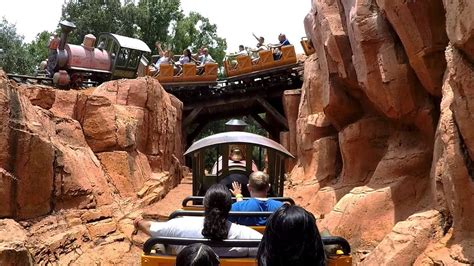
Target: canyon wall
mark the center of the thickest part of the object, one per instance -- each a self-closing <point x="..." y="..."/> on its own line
<point x="384" y="134"/>
<point x="77" y="166"/>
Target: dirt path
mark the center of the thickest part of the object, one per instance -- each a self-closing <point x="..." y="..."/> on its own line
<point x="172" y="200"/>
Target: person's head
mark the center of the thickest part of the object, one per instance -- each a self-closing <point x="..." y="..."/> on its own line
<point x="205" y="51"/>
<point x="281" y="37"/>
<point x="217" y="204"/>
<point x="261" y="40"/>
<point x="167" y="53"/>
<point x="241" y="47"/>
<point x="197" y="255"/>
<point x="291" y="237"/>
<point x="259" y="182"/>
<point x="187" y="53"/>
<point x="236" y="155"/>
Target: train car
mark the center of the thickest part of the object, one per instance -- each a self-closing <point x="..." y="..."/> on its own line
<point x="256" y="152"/>
<point x="236" y="67"/>
<point x="338" y="250"/>
<point x="115" y="57"/>
<point x="270" y="156"/>
<point x="241" y="65"/>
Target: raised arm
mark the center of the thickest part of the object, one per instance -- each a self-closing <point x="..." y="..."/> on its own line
<point x="255" y="36"/>
<point x="160" y="50"/>
<point x="237" y="190"/>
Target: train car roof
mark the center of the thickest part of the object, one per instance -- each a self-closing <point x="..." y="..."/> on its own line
<point x="131" y="43"/>
<point x="237" y="137"/>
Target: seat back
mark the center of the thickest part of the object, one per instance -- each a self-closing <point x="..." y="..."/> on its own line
<point x="229" y="71"/>
<point x="244" y="64"/>
<point x="189" y="72"/>
<point x="199" y="199"/>
<point x="307" y="46"/>
<point x="266" y="59"/>
<point x="166" y="73"/>
<point x="167" y="260"/>
<point x="148" y="258"/>
<point x="210" y="69"/>
<point x="288" y="55"/>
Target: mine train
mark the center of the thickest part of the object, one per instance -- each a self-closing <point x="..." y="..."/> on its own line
<point x="114" y="56"/>
<point x="267" y="155"/>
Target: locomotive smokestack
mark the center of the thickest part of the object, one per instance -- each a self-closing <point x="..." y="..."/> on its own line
<point x="66" y="27"/>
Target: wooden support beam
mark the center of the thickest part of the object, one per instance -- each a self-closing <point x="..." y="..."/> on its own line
<point x="279" y="118"/>
<point x="231" y="99"/>
<point x="196" y="132"/>
<point x="190" y="118"/>
<point x="271" y="130"/>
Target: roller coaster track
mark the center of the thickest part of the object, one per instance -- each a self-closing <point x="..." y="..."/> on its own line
<point x="248" y="85"/>
<point x="245" y="95"/>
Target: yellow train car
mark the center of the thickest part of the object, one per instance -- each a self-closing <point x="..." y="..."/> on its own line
<point x="151" y="257"/>
<point x="243" y="64"/>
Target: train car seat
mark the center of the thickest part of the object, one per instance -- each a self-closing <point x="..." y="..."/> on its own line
<point x="244" y="64"/>
<point x="307" y="46"/>
<point x="166" y="73"/>
<point x="340" y="257"/>
<point x="209" y="73"/>
<point x="189" y="72"/>
<point x="288" y="55"/>
<point x="266" y="59"/>
<point x="229" y="70"/>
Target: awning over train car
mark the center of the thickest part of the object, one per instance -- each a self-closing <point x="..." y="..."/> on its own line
<point x="127" y="42"/>
<point x="237" y="137"/>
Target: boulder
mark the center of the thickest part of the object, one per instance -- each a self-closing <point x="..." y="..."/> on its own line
<point x="12" y="244"/>
<point x="460" y="25"/>
<point x="136" y="113"/>
<point x="380" y="61"/>
<point x="362" y="144"/>
<point x="452" y="168"/>
<point x="27" y="157"/>
<point x="460" y="79"/>
<point x="420" y="25"/>
<point x="407" y="240"/>
<point x="127" y="171"/>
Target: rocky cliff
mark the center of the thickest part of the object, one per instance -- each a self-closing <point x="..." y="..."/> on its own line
<point x="384" y="134"/>
<point x="77" y="166"/>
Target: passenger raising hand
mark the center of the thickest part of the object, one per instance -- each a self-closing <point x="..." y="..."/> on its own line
<point x="236" y="190"/>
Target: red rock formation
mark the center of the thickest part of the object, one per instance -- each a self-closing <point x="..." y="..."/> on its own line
<point x="94" y="158"/>
<point x="12" y="244"/>
<point x="404" y="190"/>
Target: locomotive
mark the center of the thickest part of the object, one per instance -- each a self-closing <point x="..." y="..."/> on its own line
<point x="115" y="57"/>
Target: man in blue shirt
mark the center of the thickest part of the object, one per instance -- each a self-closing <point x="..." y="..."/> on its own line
<point x="258" y="186"/>
<point x="283" y="40"/>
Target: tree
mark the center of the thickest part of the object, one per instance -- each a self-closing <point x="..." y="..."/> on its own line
<point x="93" y="16"/>
<point x="155" y="18"/>
<point x="15" y="57"/>
<point x="38" y="48"/>
<point x="196" y="31"/>
<point x="148" y="20"/>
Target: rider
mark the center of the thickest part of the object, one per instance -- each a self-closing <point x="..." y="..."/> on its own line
<point x="258" y="186"/>
<point x="53" y="53"/>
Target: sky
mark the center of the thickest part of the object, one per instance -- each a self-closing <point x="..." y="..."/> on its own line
<point x="236" y="20"/>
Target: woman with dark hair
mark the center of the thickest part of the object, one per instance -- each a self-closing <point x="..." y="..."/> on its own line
<point x="197" y="255"/>
<point x="214" y="224"/>
<point x="186" y="57"/>
<point x="291" y="238"/>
